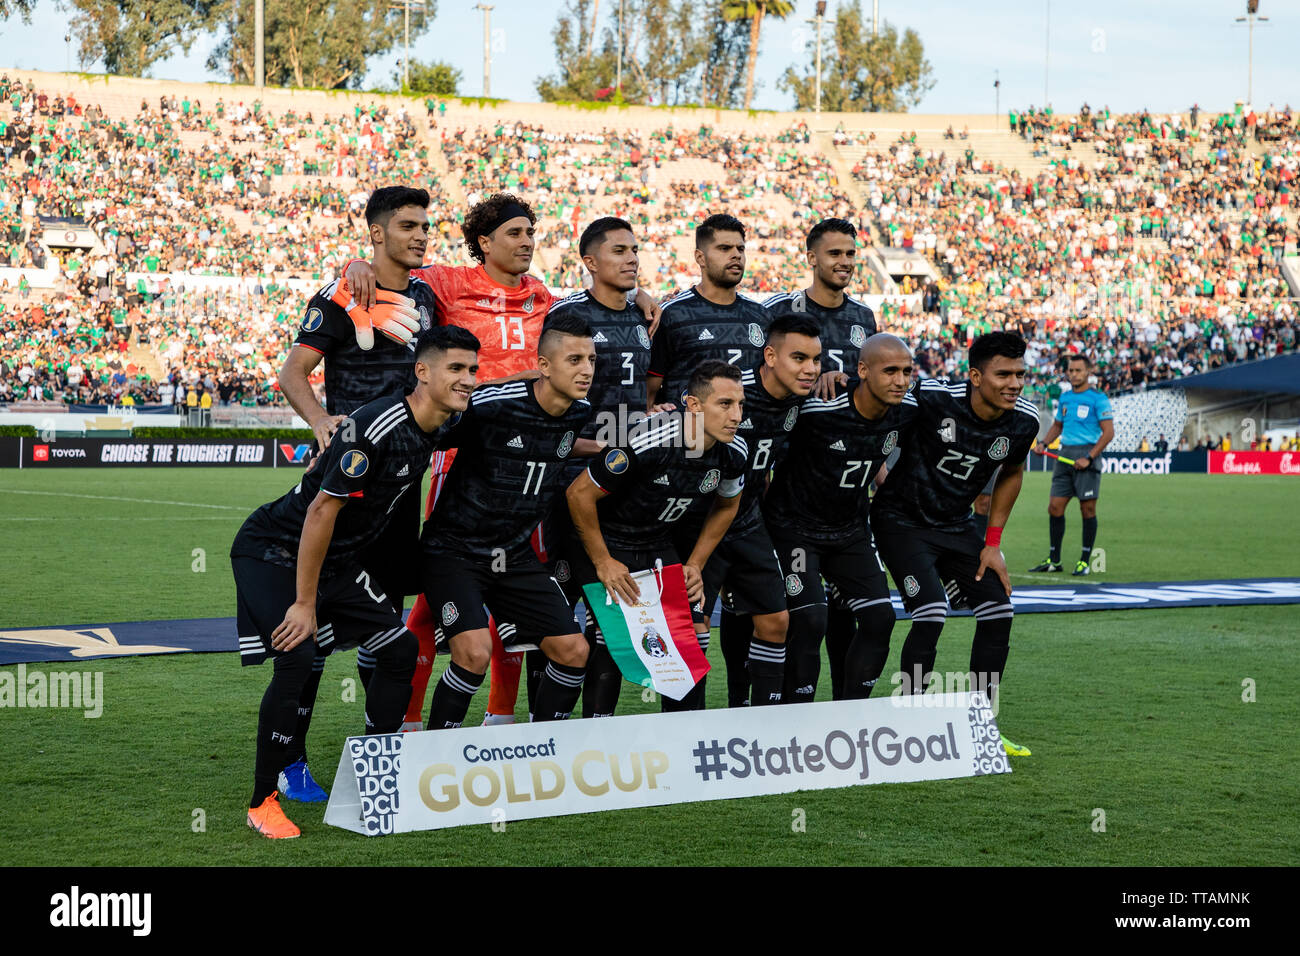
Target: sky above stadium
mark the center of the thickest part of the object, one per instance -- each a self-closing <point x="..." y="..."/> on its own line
<point x="1128" y="54"/>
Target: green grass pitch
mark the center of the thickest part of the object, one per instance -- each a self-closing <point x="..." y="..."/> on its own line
<point x="1139" y="714"/>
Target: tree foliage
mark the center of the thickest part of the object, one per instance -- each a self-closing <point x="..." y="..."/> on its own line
<point x="860" y="72"/>
<point x="314" y="43"/>
<point x="752" y="12"/>
<point x="23" y="8"/>
<point x="437" y="78"/>
<point x="671" y="56"/>
<point x="129" y="36"/>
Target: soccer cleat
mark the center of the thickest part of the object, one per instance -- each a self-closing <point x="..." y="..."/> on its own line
<point x="1013" y="749"/>
<point x="1048" y="565"/>
<point x="1081" y="568"/>
<point x="296" y="783"/>
<point x="412" y="727"/>
<point x="270" y="821"/>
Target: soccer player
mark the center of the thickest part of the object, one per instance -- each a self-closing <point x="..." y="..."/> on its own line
<point x="817" y="512"/>
<point x="296" y="567"/>
<point x="710" y="320"/>
<point x="505" y="307"/>
<point x="846" y="323"/>
<point x="1085" y="425"/>
<point x="922" y="518"/>
<point x="514" y="441"/>
<point x="626" y="505"/>
<point x="744" y="568"/>
<point x="398" y="221"/>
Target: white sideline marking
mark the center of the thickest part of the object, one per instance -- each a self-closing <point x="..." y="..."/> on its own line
<point x="143" y="501"/>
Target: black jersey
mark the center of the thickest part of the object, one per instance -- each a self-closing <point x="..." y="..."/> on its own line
<point x="377" y="454"/>
<point x="507" y="472"/>
<point x="822" y="489"/>
<point x="766" y="429"/>
<point x="622" y="339"/>
<point x="844" y="329"/>
<point x="950" y="457"/>
<point x="354" y="376"/>
<point x="693" y="330"/>
<point x="655" y="482"/>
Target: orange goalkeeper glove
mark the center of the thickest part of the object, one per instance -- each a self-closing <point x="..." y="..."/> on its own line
<point x="392" y="315"/>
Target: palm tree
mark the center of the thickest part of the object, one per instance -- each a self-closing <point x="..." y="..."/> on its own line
<point x="754" y="11"/>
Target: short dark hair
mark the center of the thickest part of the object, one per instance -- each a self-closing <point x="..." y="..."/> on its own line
<point x="1081" y="357"/>
<point x="788" y="322"/>
<point x="557" y="326"/>
<point x="990" y="344"/>
<point x="479" y="219"/>
<point x="385" y="201"/>
<point x="594" y="234"/>
<point x="701" y="381"/>
<point x="441" y="338"/>
<point x="830" y="225"/>
<point x="718" y="222"/>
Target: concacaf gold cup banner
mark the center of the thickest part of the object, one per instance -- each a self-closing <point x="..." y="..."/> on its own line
<point x="397" y="783"/>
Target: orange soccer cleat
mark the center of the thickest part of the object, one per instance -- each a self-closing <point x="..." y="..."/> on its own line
<point x="270" y="821"/>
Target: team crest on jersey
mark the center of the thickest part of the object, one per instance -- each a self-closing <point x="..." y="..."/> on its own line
<point x="998" y="450"/>
<point x="857" y="335"/>
<point x="562" y="571"/>
<point x="643" y="336"/>
<point x="449" y="614"/>
<point x="910" y="586"/>
<point x="312" y="320"/>
<point x="354" y="463"/>
<point x="756" y="336"/>
<point x="793" y="584"/>
<point x="528" y="304"/>
<point x="566" y="445"/>
<point x="890" y="441"/>
<point x="653" y="644"/>
<point x="710" y="481"/>
<point x="425" y="322"/>
<point x="616" y="461"/>
<point x="791" y="417"/>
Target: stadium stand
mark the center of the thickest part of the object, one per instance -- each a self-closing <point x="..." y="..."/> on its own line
<point x="162" y="237"/>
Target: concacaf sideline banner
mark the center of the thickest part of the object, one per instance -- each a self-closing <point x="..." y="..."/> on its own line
<point x="1254" y="463"/>
<point x="397" y="783"/>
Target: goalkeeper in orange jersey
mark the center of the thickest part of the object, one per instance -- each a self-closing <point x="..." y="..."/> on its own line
<point x="368" y="353"/>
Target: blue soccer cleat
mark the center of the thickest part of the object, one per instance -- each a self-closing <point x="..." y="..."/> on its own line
<point x="296" y="783"/>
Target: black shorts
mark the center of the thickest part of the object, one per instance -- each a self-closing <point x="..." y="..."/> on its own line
<point x="393" y="559"/>
<point x="746" y="573"/>
<point x="850" y="565"/>
<point x="350" y="609"/>
<point x="921" y="559"/>
<point x="1071" y="482"/>
<point x="581" y="571"/>
<point x="523" y="593"/>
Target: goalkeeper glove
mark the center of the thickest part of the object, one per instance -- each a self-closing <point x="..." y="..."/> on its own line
<point x="392" y="315"/>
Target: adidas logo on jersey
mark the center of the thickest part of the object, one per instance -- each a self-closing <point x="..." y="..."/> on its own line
<point x="599" y="337"/>
<point x="484" y="304"/>
<point x="661" y="480"/>
<point x="516" y="442"/>
<point x="706" y="335"/>
<point x="838" y="446"/>
<point x="746" y="424"/>
<point x="404" y="471"/>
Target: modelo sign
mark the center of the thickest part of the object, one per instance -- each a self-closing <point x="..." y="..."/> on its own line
<point x="1254" y="463"/>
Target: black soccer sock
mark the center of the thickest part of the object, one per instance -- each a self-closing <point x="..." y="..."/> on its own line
<point x="1089" y="537"/>
<point x="365" y="667"/>
<point x="981" y="523"/>
<point x="869" y="650"/>
<point x="306" y="703"/>
<point x="734" y="633"/>
<point x="277" y="720"/>
<point x="604" y="680"/>
<point x="558" y="691"/>
<point x="389" y="690"/>
<point x="456" y="688"/>
<point x="841" y="627"/>
<point x="989" y="650"/>
<point x="1056" y="530"/>
<point x="803" y="656"/>
<point x="534" y="664"/>
<point x="766" y="671"/>
<point x="921" y="646"/>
